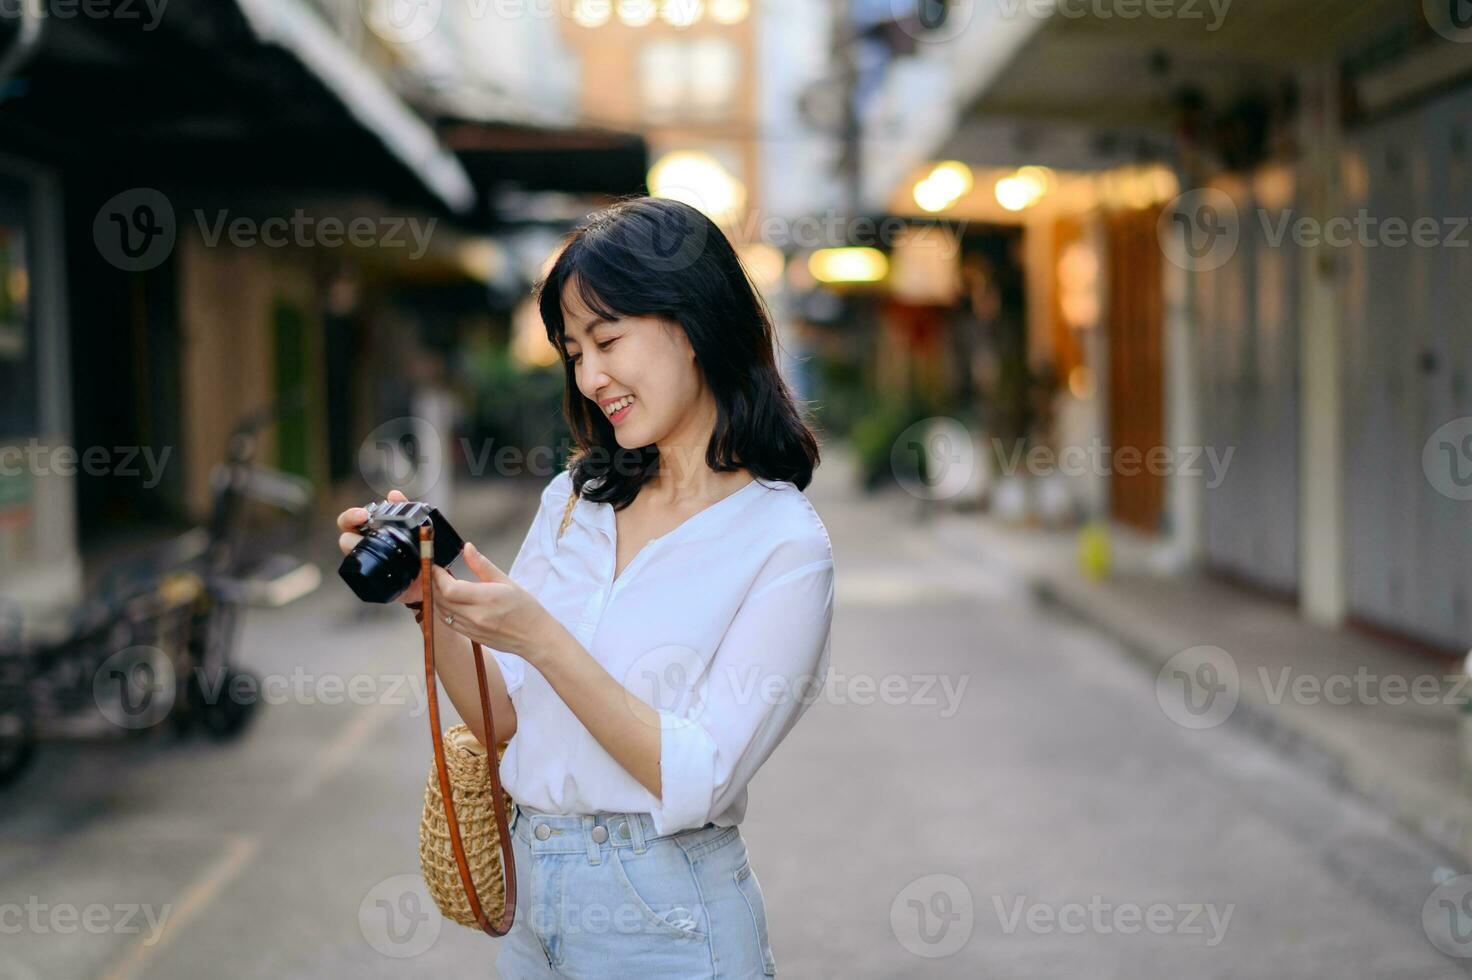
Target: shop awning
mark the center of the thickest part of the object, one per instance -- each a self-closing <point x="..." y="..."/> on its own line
<point x="288" y="24"/>
<point x="242" y="98"/>
<point x="1084" y="84"/>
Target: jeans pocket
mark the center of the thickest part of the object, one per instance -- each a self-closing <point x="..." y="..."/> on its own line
<point x="751" y="890"/>
<point x="665" y="896"/>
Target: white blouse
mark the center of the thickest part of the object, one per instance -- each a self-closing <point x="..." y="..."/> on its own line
<point x="721" y="625"/>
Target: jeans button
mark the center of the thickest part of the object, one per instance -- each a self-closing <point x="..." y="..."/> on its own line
<point x="543" y="831"/>
<point x="600" y="834"/>
<point x="623" y="830"/>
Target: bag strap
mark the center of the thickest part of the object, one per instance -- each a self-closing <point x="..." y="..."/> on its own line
<point x="502" y="925"/>
<point x="508" y="860"/>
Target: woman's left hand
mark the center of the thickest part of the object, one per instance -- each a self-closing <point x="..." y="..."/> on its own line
<point x="495" y="611"/>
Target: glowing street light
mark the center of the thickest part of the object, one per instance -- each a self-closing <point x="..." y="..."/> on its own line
<point x="1024" y="188"/>
<point x="699" y="180"/>
<point x="848" y="265"/>
<point x="946" y="183"/>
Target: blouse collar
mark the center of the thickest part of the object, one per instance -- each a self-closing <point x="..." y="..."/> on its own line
<point x="699" y="524"/>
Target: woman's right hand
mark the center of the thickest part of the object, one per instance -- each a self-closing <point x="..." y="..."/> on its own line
<point x="353" y="518"/>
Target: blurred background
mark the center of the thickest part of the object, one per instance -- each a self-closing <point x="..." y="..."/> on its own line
<point x="1136" y="335"/>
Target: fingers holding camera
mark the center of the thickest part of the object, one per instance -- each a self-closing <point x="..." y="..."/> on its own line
<point x="348" y="523"/>
<point x="353" y="518"/>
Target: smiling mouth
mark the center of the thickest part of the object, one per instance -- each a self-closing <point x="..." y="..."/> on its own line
<point x="617" y="410"/>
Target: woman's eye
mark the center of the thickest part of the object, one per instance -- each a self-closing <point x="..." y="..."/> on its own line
<point x="606" y="344"/>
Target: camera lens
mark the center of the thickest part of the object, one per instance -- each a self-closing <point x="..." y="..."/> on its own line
<point x="382" y="566"/>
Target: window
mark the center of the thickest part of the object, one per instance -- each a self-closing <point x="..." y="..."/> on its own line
<point x="688" y="80"/>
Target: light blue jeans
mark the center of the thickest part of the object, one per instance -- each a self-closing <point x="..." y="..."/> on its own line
<point x="600" y="895"/>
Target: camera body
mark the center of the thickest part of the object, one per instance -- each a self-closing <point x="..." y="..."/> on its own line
<point x="386" y="561"/>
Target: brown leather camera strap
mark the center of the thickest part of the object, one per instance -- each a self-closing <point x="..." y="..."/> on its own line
<point x="502" y="925"/>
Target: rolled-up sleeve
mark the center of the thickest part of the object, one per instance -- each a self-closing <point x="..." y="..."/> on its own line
<point x="767" y="671"/>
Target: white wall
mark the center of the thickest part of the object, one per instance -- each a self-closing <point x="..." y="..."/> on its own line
<point x="793" y="42"/>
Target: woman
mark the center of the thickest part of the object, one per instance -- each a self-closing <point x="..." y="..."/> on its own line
<point x="666" y="621"/>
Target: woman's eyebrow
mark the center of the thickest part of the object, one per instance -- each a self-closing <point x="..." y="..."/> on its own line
<point x="591" y="325"/>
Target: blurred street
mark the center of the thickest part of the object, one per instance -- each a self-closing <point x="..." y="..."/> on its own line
<point x="1135" y="333"/>
<point x="1009" y="772"/>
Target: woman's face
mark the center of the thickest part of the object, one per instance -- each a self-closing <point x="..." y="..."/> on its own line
<point x="645" y="365"/>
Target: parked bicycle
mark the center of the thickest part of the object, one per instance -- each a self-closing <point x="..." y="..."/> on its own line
<point x="156" y="640"/>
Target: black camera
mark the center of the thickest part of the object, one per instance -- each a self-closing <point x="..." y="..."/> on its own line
<point x="386" y="561"/>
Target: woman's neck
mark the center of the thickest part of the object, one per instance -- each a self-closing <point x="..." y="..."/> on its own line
<point x="683" y="473"/>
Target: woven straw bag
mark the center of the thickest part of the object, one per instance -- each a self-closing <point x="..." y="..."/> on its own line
<point x="475" y="820"/>
<point x="470" y="787"/>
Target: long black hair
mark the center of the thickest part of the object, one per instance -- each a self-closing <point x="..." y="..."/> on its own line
<point x="655" y="257"/>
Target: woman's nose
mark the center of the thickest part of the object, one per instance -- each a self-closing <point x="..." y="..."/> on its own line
<point x="594" y="379"/>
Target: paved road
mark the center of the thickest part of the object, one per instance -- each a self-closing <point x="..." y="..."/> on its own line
<point x="980" y="780"/>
